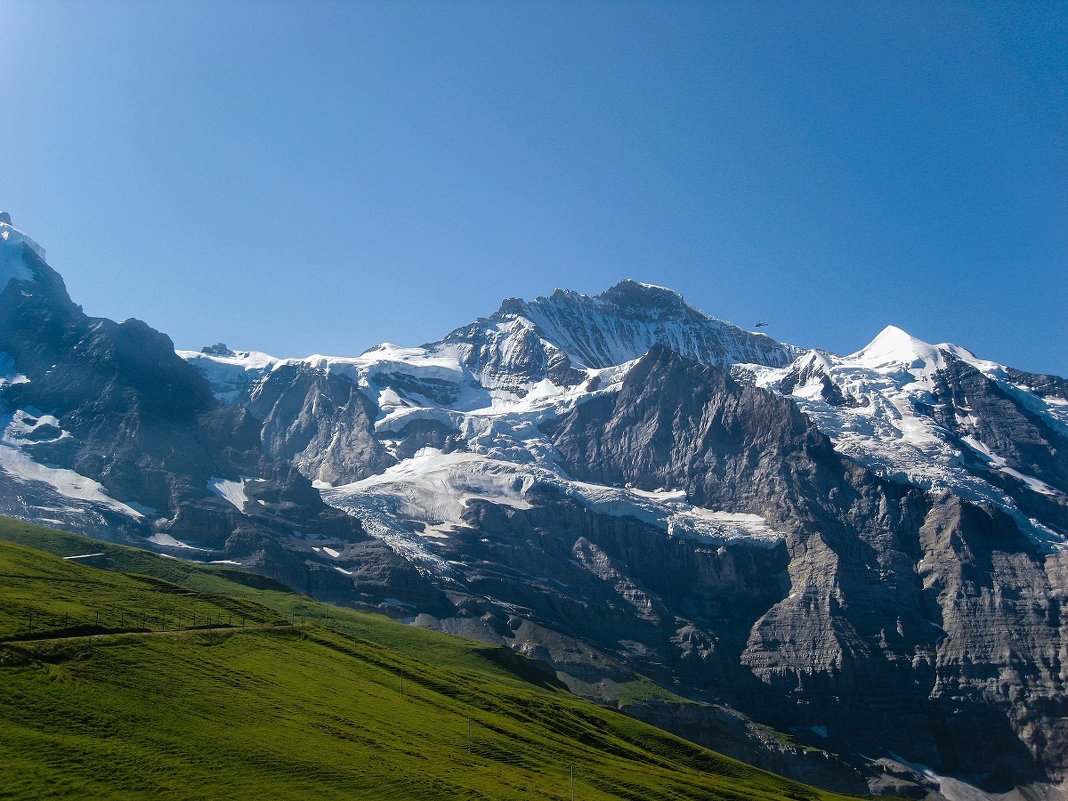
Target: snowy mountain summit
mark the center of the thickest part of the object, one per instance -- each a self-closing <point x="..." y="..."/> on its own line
<point x="939" y="417"/>
<point x="894" y="347"/>
<point x="625" y="321"/>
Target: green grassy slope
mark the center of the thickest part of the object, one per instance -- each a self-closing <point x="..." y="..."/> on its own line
<point x="136" y="703"/>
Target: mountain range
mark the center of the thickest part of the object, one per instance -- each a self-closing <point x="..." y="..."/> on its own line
<point x="867" y="551"/>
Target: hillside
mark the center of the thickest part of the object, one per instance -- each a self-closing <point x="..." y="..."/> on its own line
<point x="110" y="688"/>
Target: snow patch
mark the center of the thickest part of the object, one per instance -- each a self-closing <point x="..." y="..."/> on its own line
<point x="950" y="788"/>
<point x="20" y="466"/>
<point x="433" y="489"/>
<point x="670" y="511"/>
<point x="231" y="491"/>
<point x="167" y="541"/>
<point x="1000" y="464"/>
<point x="147" y="511"/>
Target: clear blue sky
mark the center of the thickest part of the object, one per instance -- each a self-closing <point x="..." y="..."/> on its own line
<point x="307" y="177"/>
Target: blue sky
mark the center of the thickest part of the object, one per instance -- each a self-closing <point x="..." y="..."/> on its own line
<point x="320" y="176"/>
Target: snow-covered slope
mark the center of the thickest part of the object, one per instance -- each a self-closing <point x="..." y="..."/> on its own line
<point x="433" y="490"/>
<point x="914" y="412"/>
<point x="12" y="263"/>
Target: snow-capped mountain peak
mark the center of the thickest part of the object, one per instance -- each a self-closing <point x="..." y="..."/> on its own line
<point x="938" y="416"/>
<point x="625" y="321"/>
<point x="895" y="347"/>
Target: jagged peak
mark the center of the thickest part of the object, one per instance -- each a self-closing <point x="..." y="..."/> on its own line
<point x="560" y="292"/>
<point x="631" y="293"/>
<point x="628" y="294"/>
<point x="219" y="349"/>
<point x="513" y="306"/>
<point x="624" y="321"/>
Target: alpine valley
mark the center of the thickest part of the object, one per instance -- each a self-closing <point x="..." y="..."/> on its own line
<point x="867" y="552"/>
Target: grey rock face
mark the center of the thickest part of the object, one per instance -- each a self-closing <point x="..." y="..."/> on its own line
<point x="895" y="627"/>
<point x="679" y="424"/>
<point x="1027" y="442"/>
<point x="1050" y="386"/>
<point x="320" y="423"/>
<point x="133" y="416"/>
<point x="999" y="605"/>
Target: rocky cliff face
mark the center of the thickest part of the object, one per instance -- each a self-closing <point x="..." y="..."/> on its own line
<point x="910" y="621"/>
<point x="319" y="422"/>
<point x="103" y="419"/>
<point x="867" y="551"/>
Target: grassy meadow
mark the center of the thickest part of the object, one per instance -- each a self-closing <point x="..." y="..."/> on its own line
<point x="133" y="676"/>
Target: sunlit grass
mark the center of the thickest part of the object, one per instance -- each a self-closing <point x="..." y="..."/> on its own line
<point x="345" y="705"/>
